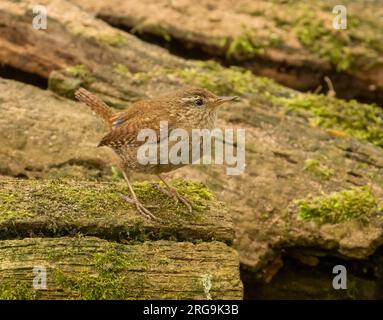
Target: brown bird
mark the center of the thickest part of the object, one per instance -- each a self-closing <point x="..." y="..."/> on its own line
<point x="187" y="109"/>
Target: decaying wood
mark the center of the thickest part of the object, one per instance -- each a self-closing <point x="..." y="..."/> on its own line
<point x="90" y="268"/>
<point x="57" y="208"/>
<point x="292" y="42"/>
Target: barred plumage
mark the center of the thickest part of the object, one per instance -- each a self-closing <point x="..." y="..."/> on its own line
<point x="187" y="109"/>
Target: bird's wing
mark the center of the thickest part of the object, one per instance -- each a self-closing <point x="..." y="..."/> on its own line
<point x="126" y="134"/>
<point x="127" y="125"/>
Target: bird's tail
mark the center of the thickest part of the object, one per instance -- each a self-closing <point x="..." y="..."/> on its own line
<point x="96" y="104"/>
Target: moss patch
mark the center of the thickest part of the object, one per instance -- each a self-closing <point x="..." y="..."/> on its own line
<point x="318" y="169"/>
<point x="244" y="47"/>
<point x="221" y="80"/>
<point x="73" y="200"/>
<point x="67" y="81"/>
<point x="362" y="121"/>
<point x="327" y="43"/>
<point x="12" y="290"/>
<point x="116" y="173"/>
<point x="359" y="45"/>
<point x="249" y="44"/>
<point x="197" y="193"/>
<point x="338" y="206"/>
<point x="121" y="69"/>
<point x="91" y="268"/>
<point x="137" y="77"/>
<point x="8" y="201"/>
<point x="65" y="207"/>
<point x="109" y="281"/>
<point x="79" y="71"/>
<point x="113" y="39"/>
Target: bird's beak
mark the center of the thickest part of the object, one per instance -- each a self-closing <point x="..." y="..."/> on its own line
<point x="221" y="100"/>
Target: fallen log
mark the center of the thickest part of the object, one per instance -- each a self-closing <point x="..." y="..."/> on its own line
<point x="61" y="208"/>
<point x="294" y="43"/>
<point x="90" y="268"/>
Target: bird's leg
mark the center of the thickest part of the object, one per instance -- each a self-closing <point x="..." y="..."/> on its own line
<point x="173" y="193"/>
<point x="134" y="200"/>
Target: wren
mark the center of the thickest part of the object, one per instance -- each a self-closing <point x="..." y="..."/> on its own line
<point x="187" y="109"/>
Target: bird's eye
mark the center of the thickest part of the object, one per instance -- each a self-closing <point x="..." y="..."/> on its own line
<point x="198" y="102"/>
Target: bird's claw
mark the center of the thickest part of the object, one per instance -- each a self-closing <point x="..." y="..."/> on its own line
<point x="140" y="207"/>
<point x="173" y="193"/>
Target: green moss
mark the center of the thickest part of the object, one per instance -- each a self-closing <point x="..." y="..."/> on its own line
<point x="248" y="44"/>
<point x="64" y="197"/>
<point x="65" y="207"/>
<point x="74" y="199"/>
<point x="195" y="192"/>
<point x="114" y="260"/>
<point x="315" y="167"/>
<point x="358" y="46"/>
<point x="162" y="32"/>
<point x="221" y="80"/>
<point x="110" y="279"/>
<point x="137" y="77"/>
<point x="338" y="206"/>
<point x="362" y="121"/>
<point x="63" y="85"/>
<point x="164" y="261"/>
<point x="154" y="29"/>
<point x="115" y="39"/>
<point x="12" y="290"/>
<point x="7" y="203"/>
<point x="243" y="47"/>
<point x="66" y="82"/>
<point x="121" y="69"/>
<point x="116" y="173"/>
<point x="327" y="43"/>
<point x="80" y="71"/>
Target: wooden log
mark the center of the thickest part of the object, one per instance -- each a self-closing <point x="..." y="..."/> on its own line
<point x="292" y="42"/>
<point x="41" y="133"/>
<point x="90" y="268"/>
<point x="57" y="208"/>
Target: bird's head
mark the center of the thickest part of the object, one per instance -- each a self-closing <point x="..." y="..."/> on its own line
<point x="201" y="99"/>
<point x="194" y="107"/>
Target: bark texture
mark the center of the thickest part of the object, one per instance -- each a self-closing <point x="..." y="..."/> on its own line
<point x="91" y="268"/>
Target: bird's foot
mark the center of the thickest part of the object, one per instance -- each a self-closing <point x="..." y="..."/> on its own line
<point x="140" y="207"/>
<point x="173" y="193"/>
